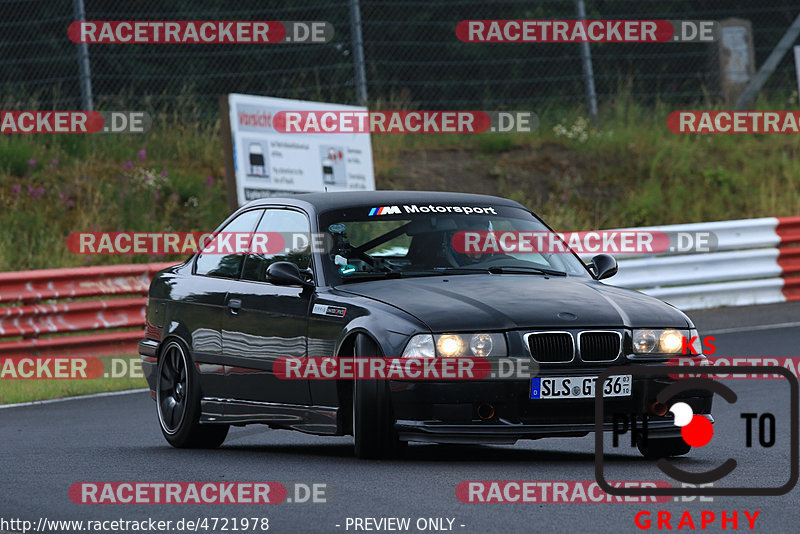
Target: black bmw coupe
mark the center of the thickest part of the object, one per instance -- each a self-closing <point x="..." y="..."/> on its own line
<point x="380" y="274"/>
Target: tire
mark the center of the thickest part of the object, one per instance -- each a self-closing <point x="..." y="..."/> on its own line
<point x="663" y="447"/>
<point x="374" y="436"/>
<point x="178" y="402"/>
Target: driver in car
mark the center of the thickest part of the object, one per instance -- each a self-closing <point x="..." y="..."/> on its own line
<point x="465" y="259"/>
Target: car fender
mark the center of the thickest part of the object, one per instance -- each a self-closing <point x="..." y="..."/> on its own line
<point x="373" y="322"/>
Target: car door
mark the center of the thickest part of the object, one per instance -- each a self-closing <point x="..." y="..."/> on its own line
<point x="203" y="304"/>
<point x="265" y="321"/>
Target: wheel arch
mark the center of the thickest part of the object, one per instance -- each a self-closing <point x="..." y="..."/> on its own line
<point x="344" y="388"/>
<point x="177" y="329"/>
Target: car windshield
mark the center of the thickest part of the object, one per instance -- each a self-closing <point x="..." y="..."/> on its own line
<point x="413" y="240"/>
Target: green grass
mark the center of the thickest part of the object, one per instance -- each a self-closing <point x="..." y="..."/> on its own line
<point x="170" y="179"/>
<point x="24" y="390"/>
<point x="627" y="169"/>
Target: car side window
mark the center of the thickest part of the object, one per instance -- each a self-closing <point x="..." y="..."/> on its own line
<point x="295" y="245"/>
<point x="227" y="265"/>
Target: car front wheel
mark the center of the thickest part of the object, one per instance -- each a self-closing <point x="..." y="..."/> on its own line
<point x="374" y="435"/>
<point x="178" y="402"/>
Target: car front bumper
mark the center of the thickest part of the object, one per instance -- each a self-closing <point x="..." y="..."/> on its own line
<point x="502" y="411"/>
<point x="504" y="432"/>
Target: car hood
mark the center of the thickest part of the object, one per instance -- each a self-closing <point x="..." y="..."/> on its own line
<point x="511" y="301"/>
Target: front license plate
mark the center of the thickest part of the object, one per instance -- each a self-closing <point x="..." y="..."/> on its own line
<point x="579" y="387"/>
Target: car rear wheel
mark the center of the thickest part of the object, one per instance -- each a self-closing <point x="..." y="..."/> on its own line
<point x="374" y="435"/>
<point x="663" y="447"/>
<point x="178" y="402"/>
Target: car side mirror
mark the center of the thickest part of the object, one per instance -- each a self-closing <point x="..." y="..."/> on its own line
<point x="604" y="266"/>
<point x="286" y="273"/>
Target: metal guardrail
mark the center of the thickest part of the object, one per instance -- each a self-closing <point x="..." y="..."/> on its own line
<point x="39" y="313"/>
<point x="754" y="262"/>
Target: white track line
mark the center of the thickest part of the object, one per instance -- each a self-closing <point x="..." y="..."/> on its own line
<point x="755" y="327"/>
<point x="77" y="397"/>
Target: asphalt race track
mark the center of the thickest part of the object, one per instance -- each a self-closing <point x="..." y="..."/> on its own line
<point x="46" y="448"/>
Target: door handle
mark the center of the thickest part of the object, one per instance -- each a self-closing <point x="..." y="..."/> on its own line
<point x="234" y="305"/>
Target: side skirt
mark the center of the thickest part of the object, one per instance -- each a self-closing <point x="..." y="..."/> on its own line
<point x="321" y="420"/>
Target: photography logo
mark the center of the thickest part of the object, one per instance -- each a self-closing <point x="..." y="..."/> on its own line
<point x="694" y="429"/>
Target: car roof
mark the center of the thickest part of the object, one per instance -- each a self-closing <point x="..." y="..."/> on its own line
<point x="346" y="199"/>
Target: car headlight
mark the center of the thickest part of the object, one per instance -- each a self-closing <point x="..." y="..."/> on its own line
<point x="456" y="345"/>
<point x="420" y="346"/>
<point x="666" y="341"/>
